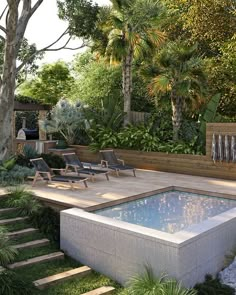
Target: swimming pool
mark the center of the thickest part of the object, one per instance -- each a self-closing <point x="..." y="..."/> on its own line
<point x="193" y="232"/>
<point x="169" y="211"/>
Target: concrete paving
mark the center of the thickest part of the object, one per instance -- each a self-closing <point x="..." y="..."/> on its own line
<point x="102" y="191"/>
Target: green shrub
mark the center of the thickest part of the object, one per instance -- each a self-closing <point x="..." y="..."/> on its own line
<point x="138" y="137"/>
<point x="213" y="287"/>
<point x="48" y="222"/>
<point x="7" y="251"/>
<point x="15" y="176"/>
<point x="28" y="153"/>
<point x="147" y="284"/>
<point x="24" y="200"/>
<point x="12" y="284"/>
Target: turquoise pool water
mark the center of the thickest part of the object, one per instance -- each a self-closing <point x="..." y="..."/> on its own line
<point x="170" y="211"/>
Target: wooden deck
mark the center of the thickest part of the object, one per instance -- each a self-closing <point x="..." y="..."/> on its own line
<point x="102" y="191"/>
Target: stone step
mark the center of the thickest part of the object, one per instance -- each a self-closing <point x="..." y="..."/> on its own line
<point x="32" y="244"/>
<point x="7" y="210"/>
<point x="2" y="269"/>
<point x="61" y="277"/>
<point x="12" y="220"/>
<point x="23" y="232"/>
<point x="43" y="258"/>
<point x="100" y="291"/>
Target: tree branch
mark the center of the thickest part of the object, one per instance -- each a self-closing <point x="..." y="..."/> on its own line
<point x="35" y="7"/>
<point x="3" y="12"/>
<point x="48" y="48"/>
<point x="3" y="29"/>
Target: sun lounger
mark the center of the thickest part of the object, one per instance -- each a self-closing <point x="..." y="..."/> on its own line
<point x="72" y="161"/>
<point x="44" y="172"/>
<point x="110" y="161"/>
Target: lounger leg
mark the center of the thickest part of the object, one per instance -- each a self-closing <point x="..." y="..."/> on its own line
<point x="35" y="178"/>
<point x="71" y="185"/>
<point x="107" y="176"/>
<point x="117" y="172"/>
<point x="66" y="170"/>
<point x="85" y="183"/>
<point x="92" y="177"/>
<point x="134" y="172"/>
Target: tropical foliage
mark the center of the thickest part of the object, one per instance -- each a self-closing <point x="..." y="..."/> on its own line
<point x="147" y="283"/>
<point x="67" y="119"/>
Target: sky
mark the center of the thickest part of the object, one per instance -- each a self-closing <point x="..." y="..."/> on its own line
<point x="45" y="27"/>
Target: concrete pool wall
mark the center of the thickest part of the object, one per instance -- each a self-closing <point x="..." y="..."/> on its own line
<point x="120" y="250"/>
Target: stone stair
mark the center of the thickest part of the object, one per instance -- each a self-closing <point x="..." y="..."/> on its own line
<point x="12" y="220"/>
<point x="32" y="244"/>
<point x="35" y="260"/>
<point x="23" y="232"/>
<point x="7" y="210"/>
<point x="100" y="291"/>
<point x="61" y="277"/>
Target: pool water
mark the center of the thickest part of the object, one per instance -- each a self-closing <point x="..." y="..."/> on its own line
<point x="169" y="211"/>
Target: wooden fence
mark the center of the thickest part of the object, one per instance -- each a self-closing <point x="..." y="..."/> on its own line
<point x="177" y="163"/>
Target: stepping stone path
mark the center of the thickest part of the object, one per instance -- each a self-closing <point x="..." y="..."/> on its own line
<point x="51" y="280"/>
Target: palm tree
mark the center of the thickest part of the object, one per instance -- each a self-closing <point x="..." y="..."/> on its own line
<point x="132" y="30"/>
<point x="180" y="75"/>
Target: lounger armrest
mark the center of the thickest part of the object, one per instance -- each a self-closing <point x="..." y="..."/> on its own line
<point x="122" y="161"/>
<point x="104" y="163"/>
<point x="89" y="165"/>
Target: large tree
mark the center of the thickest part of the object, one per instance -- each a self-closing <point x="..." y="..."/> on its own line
<point x="52" y="82"/>
<point x="180" y="76"/>
<point x="17" y="14"/>
<point x="133" y="30"/>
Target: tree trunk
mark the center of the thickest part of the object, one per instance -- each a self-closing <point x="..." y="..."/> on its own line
<point x="127" y="84"/>
<point x="177" y="107"/>
<point x="7" y="83"/>
<point x="15" y="30"/>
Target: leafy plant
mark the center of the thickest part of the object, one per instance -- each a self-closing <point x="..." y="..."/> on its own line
<point x="12" y="284"/>
<point x="138" y="137"/>
<point x="8" y="164"/>
<point x="213" y="287"/>
<point x="7" y="251"/>
<point x="24" y="200"/>
<point x="67" y="119"/>
<point x="147" y="284"/>
<point x="28" y="153"/>
<point x="208" y="115"/>
<point x="103" y="138"/>
<point x="16" y="175"/>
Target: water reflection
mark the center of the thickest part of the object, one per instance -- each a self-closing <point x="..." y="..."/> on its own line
<point x="169" y="211"/>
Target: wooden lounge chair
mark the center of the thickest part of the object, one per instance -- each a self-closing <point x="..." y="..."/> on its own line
<point x="44" y="172"/>
<point x="110" y="160"/>
<point x="72" y="161"/>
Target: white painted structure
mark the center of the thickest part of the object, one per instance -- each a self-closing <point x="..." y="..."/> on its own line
<point x="120" y="250"/>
